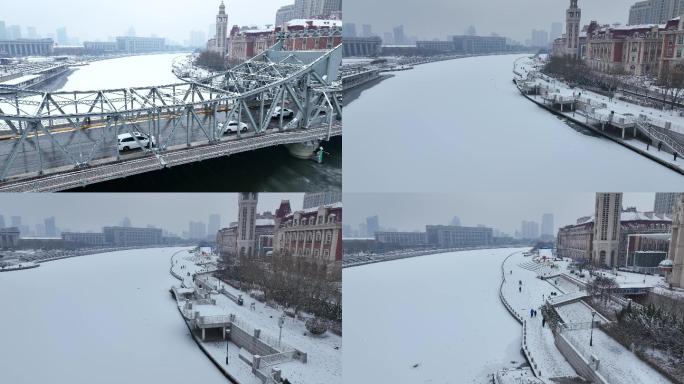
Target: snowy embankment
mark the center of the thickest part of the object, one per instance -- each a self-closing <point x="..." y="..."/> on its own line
<point x="527" y="291"/>
<point x="324" y="353"/>
<point x="601" y="110"/>
<point x="524" y="292"/>
<point x="430" y="319"/>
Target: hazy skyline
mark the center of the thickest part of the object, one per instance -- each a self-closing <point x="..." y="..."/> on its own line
<point x="502" y="211"/>
<point x="170" y="211"/>
<point x="430" y="19"/>
<point x="172" y="19"/>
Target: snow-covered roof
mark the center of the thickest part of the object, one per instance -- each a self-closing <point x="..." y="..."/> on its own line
<point x="265" y="222"/>
<point x="630" y="216"/>
<point x="314" y="22"/>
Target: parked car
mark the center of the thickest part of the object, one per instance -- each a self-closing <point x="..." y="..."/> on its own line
<point x="232" y="127"/>
<point x="126" y="141"/>
<point x="286" y="113"/>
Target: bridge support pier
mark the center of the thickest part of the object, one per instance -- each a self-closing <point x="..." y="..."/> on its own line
<point x="303" y="150"/>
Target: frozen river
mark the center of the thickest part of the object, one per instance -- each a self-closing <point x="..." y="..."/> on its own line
<point x="105" y="318"/>
<point x="124" y="72"/>
<point x="441" y="312"/>
<point x="462" y="123"/>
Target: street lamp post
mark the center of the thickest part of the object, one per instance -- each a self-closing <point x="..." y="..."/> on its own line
<point x="227" y="344"/>
<point x="281" y="322"/>
<point x="591" y="337"/>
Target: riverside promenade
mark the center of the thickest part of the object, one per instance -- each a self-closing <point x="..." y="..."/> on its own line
<point x="298" y="356"/>
<point x="638" y="128"/>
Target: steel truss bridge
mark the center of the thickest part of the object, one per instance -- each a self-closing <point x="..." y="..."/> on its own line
<point x="62" y="140"/>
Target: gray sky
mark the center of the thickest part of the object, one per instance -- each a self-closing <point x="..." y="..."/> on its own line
<point x="170" y="211"/>
<point x="429" y="19"/>
<point x="503" y="211"/>
<point x="174" y="19"/>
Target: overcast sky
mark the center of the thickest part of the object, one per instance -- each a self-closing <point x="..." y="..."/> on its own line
<point x="429" y="19"/>
<point x="503" y="211"/>
<point x="174" y="19"/>
<point x="170" y="211"/>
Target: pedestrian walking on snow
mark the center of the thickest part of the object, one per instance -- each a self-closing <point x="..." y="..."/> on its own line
<point x="543" y="321"/>
<point x="531" y="312"/>
<point x="519" y="289"/>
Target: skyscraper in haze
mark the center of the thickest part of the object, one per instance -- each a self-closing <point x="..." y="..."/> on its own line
<point x="349" y="30"/>
<point x="62" y="37"/>
<point x="456" y="222"/>
<point x="529" y="230"/>
<point x="2" y="221"/>
<point x="547" y="225"/>
<point x="556" y="30"/>
<point x="50" y="227"/>
<point x="214" y="224"/>
<point x="16" y="221"/>
<point x="3" y="31"/>
<point x="399" y="37"/>
<point x="372" y="225"/>
<point x="126" y="222"/>
<point x="665" y="202"/>
<point x="366" y="30"/>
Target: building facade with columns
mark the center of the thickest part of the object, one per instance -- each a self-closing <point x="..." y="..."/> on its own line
<point x="252" y="233"/>
<point x="26" y="47"/>
<point x="314" y="234"/>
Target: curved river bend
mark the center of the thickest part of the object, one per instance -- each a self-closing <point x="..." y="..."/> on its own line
<point x="458" y="124"/>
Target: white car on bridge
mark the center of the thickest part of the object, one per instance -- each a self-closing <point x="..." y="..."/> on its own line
<point x="232" y="127"/>
<point x="286" y="113"/>
<point x="126" y="141"/>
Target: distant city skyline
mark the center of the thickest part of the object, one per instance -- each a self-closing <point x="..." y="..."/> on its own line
<point x="501" y="211"/>
<point x="175" y="20"/>
<point x="171" y="212"/>
<point x="435" y="19"/>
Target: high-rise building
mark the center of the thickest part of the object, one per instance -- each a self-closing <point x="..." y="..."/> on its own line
<point x="13" y="32"/>
<point x="197" y="230"/>
<point x="453" y="237"/>
<point x="556" y="30"/>
<point x="349" y="30"/>
<point x="2" y="221"/>
<point x="398" y="33"/>
<point x="547" y="225"/>
<point x="247" y="205"/>
<point x="285" y="14"/>
<point x="16" y="221"/>
<point x="62" y="37"/>
<point x="316" y="199"/>
<point x="607" y="229"/>
<point x="3" y="31"/>
<point x="573" y="17"/>
<point x="50" y="228"/>
<point x="214" y="224"/>
<point x="665" y="203"/>
<point x="372" y="225"/>
<point x="197" y="39"/>
<point x="221" y="30"/>
<point x="540" y="38"/>
<point x="529" y="230"/>
<point x="456" y="221"/>
<point x="126" y="222"/>
<point x="366" y="30"/>
<point x="655" y="11"/>
<point x="471" y="31"/>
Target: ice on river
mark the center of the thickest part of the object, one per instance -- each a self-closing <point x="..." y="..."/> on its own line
<point x="105" y="318"/>
<point x="434" y="319"/>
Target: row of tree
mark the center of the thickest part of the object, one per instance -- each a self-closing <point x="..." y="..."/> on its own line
<point x="297" y="283"/>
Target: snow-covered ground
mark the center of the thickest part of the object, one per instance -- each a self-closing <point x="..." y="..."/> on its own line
<point x="324" y="353"/>
<point x="124" y="72"/>
<point x="106" y="318"/>
<point x="617" y="364"/>
<point x="465" y="117"/>
<point x="531" y="294"/>
<point x="429" y="319"/>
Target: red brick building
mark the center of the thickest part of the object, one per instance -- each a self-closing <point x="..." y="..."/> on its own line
<point x="314" y="233"/>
